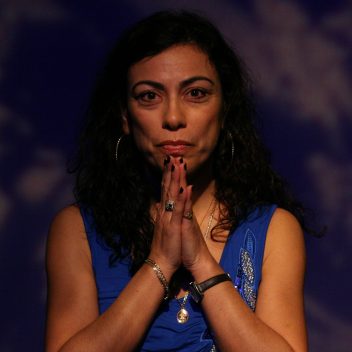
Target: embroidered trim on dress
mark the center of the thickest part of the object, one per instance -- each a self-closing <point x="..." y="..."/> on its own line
<point x="245" y="277"/>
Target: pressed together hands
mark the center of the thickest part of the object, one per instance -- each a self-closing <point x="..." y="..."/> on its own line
<point x="278" y="324"/>
<point x="177" y="238"/>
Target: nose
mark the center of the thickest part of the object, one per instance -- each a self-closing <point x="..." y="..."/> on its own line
<point x="174" y="115"/>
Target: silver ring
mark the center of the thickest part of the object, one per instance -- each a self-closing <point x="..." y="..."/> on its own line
<point x="169" y="205"/>
<point x="188" y="215"/>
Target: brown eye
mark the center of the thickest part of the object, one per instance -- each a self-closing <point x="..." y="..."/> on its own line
<point x="197" y="95"/>
<point x="147" y="98"/>
<point x="150" y="96"/>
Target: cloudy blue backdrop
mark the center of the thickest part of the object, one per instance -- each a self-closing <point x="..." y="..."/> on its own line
<point x="300" y="55"/>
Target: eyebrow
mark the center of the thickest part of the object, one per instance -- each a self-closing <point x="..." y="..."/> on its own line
<point x="183" y="84"/>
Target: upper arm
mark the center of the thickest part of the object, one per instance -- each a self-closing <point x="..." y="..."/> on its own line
<point x="280" y="297"/>
<point x="72" y="296"/>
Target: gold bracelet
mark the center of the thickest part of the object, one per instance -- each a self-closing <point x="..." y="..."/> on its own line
<point x="160" y="276"/>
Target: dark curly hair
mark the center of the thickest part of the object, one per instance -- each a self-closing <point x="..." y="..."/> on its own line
<point x="117" y="192"/>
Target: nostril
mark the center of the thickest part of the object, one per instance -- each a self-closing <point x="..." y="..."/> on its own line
<point x="174" y="122"/>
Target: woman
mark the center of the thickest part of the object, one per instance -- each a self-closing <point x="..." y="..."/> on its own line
<point x="174" y="192"/>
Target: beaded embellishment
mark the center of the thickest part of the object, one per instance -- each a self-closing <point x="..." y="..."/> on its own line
<point x="244" y="281"/>
<point x="207" y="335"/>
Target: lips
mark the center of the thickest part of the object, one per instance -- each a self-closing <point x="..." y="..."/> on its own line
<point x="174" y="148"/>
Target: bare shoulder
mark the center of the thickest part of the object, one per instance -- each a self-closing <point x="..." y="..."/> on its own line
<point x="72" y="294"/>
<point x="280" y="296"/>
<point x="284" y="220"/>
<point x="284" y="259"/>
<point x="285" y="237"/>
<point x="67" y="237"/>
<point x="68" y="218"/>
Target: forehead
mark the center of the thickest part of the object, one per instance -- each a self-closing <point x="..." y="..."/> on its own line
<point x="176" y="63"/>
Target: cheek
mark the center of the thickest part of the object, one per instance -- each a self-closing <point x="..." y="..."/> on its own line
<point x="143" y="131"/>
<point x="212" y="125"/>
<point x="140" y="135"/>
<point x="211" y="132"/>
<point x="137" y="122"/>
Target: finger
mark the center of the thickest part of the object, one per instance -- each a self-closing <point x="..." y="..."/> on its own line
<point x="178" y="212"/>
<point x="174" y="185"/>
<point x="170" y="192"/>
<point x="156" y="216"/>
<point x="165" y="180"/>
<point x="176" y="193"/>
<point x="183" y="173"/>
<point x="188" y="216"/>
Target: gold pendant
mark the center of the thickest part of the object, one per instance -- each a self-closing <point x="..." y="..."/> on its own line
<point x="182" y="316"/>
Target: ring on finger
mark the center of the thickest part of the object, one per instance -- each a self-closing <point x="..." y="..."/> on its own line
<point x="188" y="215"/>
<point x="169" y="205"/>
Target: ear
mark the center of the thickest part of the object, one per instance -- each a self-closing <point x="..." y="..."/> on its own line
<point x="125" y="123"/>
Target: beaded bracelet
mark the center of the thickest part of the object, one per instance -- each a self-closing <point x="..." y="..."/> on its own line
<point x="160" y="276"/>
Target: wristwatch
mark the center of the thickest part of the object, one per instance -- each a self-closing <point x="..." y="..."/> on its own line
<point x="197" y="290"/>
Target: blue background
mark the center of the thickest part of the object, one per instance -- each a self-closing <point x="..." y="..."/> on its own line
<point x="300" y="55"/>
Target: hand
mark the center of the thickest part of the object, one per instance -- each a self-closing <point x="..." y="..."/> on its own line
<point x="166" y="244"/>
<point x="195" y="252"/>
<point x="177" y="240"/>
<point x="196" y="257"/>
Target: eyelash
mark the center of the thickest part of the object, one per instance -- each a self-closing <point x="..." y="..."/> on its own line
<point x="142" y="95"/>
<point x="150" y="96"/>
<point x="202" y="91"/>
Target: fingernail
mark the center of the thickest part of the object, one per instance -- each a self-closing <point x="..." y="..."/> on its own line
<point x="166" y="160"/>
<point x="172" y="167"/>
<point x="185" y="166"/>
<point x="181" y="160"/>
<point x="181" y="190"/>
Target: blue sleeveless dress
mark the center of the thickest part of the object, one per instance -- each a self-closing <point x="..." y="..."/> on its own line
<point x="242" y="258"/>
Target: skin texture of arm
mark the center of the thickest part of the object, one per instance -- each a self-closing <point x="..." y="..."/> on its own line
<point x="278" y="323"/>
<point x="73" y="322"/>
<point x="75" y="325"/>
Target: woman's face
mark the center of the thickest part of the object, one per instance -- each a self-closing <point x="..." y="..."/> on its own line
<point x="174" y="106"/>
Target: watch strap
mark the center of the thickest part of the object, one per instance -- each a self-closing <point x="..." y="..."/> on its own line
<point x="205" y="285"/>
<point x="197" y="290"/>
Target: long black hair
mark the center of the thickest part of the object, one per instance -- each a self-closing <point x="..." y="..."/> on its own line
<point x="117" y="192"/>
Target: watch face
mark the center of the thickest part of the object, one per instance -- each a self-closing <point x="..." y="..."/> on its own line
<point x="195" y="294"/>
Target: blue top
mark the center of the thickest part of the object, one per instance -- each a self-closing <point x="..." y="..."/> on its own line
<point x="242" y="258"/>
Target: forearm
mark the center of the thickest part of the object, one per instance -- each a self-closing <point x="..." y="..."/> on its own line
<point x="123" y="325"/>
<point x="234" y="325"/>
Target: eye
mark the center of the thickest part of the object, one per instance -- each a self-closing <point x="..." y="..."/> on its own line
<point x="147" y="97"/>
<point x="197" y="94"/>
